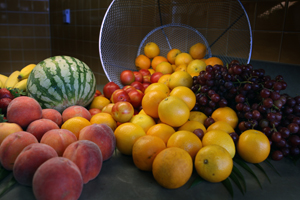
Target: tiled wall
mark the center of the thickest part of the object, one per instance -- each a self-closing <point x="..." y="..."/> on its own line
<point x="24" y="33"/>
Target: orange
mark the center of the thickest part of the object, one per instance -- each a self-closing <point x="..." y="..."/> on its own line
<point x="151" y="101"/>
<point x="220" y="138"/>
<point x="163" y="131"/>
<point x="144" y="151"/>
<point x="173" y="111"/>
<point x="164" y="67"/>
<point x="180" y="78"/>
<point x="196" y="66"/>
<point x="151" y="50"/>
<point x="221" y="125"/>
<point x="213" y="163"/>
<point x="197" y="51"/>
<point x="126" y="134"/>
<point x="226" y="114"/>
<point x="172" y="55"/>
<point x="187" y="141"/>
<point x="104" y="118"/>
<point x="164" y="79"/>
<point x="75" y="125"/>
<point x="174" y="67"/>
<point x="143" y="120"/>
<point x="142" y="62"/>
<point x="172" y="167"/>
<point x="181" y="67"/>
<point x="253" y="146"/>
<point x="156" y="60"/>
<point x="191" y="126"/>
<point x="213" y="61"/>
<point x="99" y="102"/>
<point x="197" y="116"/>
<point x="183" y="58"/>
<point x="157" y="86"/>
<point x="185" y="94"/>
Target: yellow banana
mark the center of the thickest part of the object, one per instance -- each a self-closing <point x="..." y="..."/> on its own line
<point x="3" y="78"/>
<point x="12" y="80"/>
<point x="24" y="73"/>
<point x="1" y="84"/>
<point x="21" y="85"/>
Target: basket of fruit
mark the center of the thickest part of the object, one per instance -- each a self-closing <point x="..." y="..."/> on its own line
<point x="222" y="27"/>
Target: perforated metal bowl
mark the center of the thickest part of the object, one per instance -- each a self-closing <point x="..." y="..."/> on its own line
<point x="222" y="25"/>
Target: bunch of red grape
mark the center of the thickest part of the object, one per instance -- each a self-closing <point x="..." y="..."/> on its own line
<point x="257" y="100"/>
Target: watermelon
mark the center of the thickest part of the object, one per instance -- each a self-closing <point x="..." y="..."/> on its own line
<point x="61" y="81"/>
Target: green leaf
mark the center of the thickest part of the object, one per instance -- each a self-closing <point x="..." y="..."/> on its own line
<point x="247" y="168"/>
<point x="197" y="180"/>
<point x="235" y="179"/>
<point x="240" y="175"/>
<point x="262" y="170"/>
<point x="270" y="164"/>
<point x="8" y="186"/>
<point x="228" y="186"/>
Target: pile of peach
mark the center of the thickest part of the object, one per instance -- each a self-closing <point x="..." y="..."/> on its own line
<point x="52" y="160"/>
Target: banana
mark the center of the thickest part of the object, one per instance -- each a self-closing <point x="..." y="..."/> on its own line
<point x="25" y="71"/>
<point x="3" y="78"/>
<point x="12" y="80"/>
<point x="21" y="85"/>
<point x="1" y="84"/>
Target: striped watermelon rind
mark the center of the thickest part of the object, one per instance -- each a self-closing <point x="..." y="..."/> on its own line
<point x="61" y="81"/>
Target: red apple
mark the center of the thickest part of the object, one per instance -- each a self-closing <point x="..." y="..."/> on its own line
<point x="138" y="85"/>
<point x="109" y="88"/>
<point x="4" y="104"/>
<point x="145" y="85"/>
<point x="97" y="93"/>
<point x="5" y="93"/>
<point x="146" y="79"/>
<point x="144" y="72"/>
<point x="94" y="111"/>
<point x="127" y="77"/>
<point x="122" y="111"/>
<point x="155" y="77"/>
<point x="119" y="95"/>
<point x="128" y="88"/>
<point x="136" y="97"/>
<point x="138" y="76"/>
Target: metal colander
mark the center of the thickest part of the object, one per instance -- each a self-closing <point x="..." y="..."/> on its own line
<point x="128" y="25"/>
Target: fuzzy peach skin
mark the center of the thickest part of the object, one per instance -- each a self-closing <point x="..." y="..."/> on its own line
<point x="87" y="156"/>
<point x="102" y="135"/>
<point x="23" y="110"/>
<point x="52" y="114"/>
<point x="39" y="127"/>
<point x="28" y="161"/>
<point x="58" y="178"/>
<point x="12" y="146"/>
<point x="76" y="111"/>
<point x="7" y="128"/>
<point x="58" y="139"/>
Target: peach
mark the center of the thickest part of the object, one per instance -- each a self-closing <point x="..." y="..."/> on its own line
<point x="102" y="135"/>
<point x="23" y="110"/>
<point x="58" y="178"/>
<point x="7" y="128"/>
<point x="76" y="111"/>
<point x="12" y="146"/>
<point x="58" y="139"/>
<point x="87" y="156"/>
<point x="39" y="127"/>
<point x="53" y="115"/>
<point x="28" y="161"/>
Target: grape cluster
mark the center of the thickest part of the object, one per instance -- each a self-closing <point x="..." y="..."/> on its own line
<point x="257" y="100"/>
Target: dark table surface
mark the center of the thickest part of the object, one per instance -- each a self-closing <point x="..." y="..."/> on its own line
<point x="120" y="179"/>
